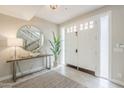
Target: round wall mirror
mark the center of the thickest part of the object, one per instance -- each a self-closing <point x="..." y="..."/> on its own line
<point x="33" y="38"/>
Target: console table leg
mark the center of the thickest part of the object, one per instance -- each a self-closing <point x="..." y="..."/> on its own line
<point x="46" y="62"/>
<point x="14" y="71"/>
<point x="49" y="62"/>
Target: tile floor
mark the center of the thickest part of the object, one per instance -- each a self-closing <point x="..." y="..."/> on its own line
<point x="78" y="76"/>
<point x="86" y="79"/>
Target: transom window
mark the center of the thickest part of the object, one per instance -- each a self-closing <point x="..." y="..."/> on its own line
<point x="86" y="26"/>
<point x="81" y="27"/>
<point x="91" y="24"/>
<point x="71" y="29"/>
<point x="75" y="28"/>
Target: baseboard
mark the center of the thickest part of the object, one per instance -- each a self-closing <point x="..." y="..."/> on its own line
<point x="87" y="71"/>
<point x="82" y="69"/>
<point x="121" y="83"/>
<point x="72" y="66"/>
<point x="18" y="74"/>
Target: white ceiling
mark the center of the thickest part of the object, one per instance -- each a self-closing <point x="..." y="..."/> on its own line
<point x="60" y="15"/>
<point x="20" y="11"/>
<point x="65" y="12"/>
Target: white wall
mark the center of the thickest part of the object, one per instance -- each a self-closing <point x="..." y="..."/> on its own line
<point x="8" y="29"/>
<point x="10" y="25"/>
<point x="117" y="36"/>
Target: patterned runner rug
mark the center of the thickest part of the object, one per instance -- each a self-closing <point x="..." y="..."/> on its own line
<point x="50" y="79"/>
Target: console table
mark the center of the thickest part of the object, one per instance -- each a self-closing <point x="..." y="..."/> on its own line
<point x="46" y="56"/>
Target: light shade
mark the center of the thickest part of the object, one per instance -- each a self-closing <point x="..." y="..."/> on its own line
<point x="13" y="42"/>
<point x="53" y="7"/>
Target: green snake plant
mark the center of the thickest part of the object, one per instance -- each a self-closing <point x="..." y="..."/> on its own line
<point x="55" y="47"/>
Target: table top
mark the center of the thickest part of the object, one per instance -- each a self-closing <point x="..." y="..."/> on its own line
<point x="26" y="58"/>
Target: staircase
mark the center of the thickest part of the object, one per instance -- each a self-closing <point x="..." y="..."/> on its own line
<point x="33" y="45"/>
<point x="31" y="39"/>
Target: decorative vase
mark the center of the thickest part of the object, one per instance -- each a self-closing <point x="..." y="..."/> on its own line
<point x="55" y="61"/>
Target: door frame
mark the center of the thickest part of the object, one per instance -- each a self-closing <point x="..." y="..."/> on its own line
<point x="109" y="13"/>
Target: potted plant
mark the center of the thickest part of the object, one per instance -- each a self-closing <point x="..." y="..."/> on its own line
<point x="55" y="48"/>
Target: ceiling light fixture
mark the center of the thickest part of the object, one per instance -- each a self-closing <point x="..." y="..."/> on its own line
<point x="53" y="7"/>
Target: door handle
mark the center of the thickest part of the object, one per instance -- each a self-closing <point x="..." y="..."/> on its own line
<point x="76" y="50"/>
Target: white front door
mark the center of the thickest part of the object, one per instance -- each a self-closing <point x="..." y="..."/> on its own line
<point x="71" y="47"/>
<point x="92" y="44"/>
<point x="88" y="44"/>
<point x="67" y="47"/>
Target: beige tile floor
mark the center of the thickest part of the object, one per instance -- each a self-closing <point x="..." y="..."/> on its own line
<point x="86" y="79"/>
<point x="78" y="76"/>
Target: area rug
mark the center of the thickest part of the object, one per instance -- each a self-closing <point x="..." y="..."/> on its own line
<point x="50" y="79"/>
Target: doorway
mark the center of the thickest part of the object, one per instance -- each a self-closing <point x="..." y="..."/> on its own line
<point x="93" y="44"/>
